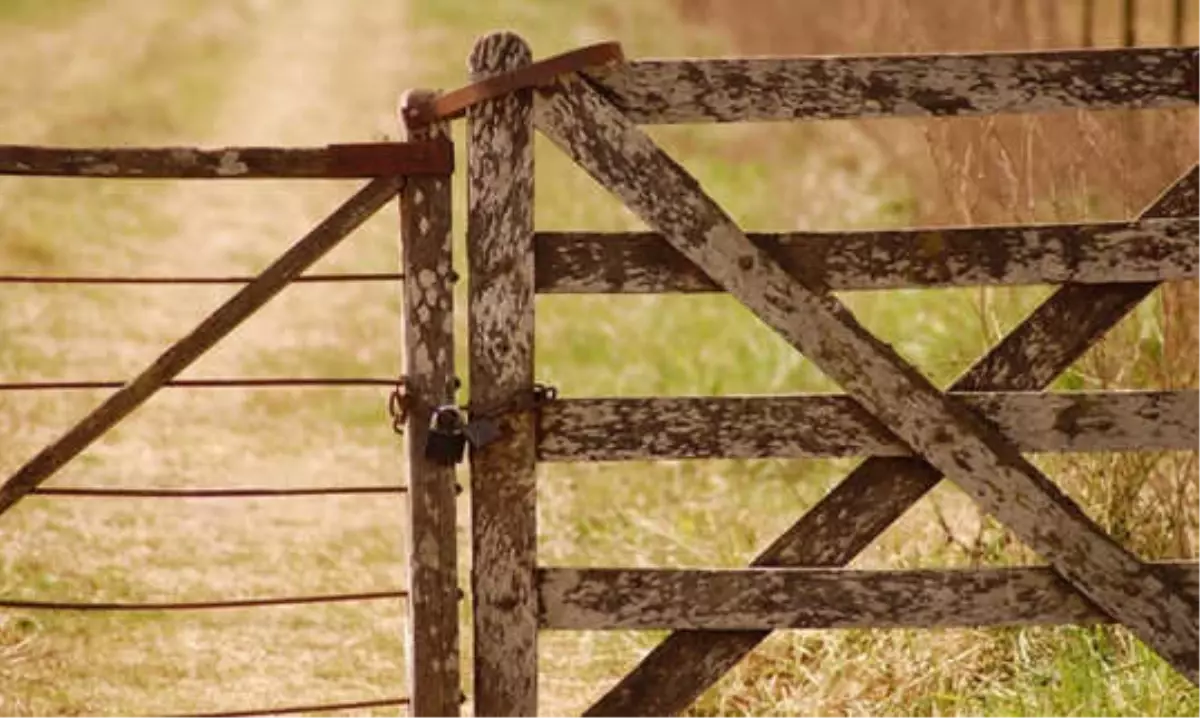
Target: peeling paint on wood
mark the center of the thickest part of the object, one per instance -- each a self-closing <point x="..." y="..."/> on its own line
<point x="1143" y="251"/>
<point x="504" y="491"/>
<point x="797" y="88"/>
<point x="426" y="261"/>
<point x="880" y="490"/>
<point x="773" y="598"/>
<point x="946" y="434"/>
<point x="380" y="159"/>
<point x="633" y="429"/>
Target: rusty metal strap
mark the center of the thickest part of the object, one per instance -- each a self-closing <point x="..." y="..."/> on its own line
<point x="538" y="74"/>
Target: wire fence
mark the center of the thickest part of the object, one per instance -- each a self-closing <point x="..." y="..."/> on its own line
<point x="245" y="493"/>
<point x="295" y="710"/>
<point x="120" y="607"/>
<point x="213" y="383"/>
<point x="243" y="383"/>
<point x="49" y="279"/>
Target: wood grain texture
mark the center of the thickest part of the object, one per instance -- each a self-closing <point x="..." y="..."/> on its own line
<point x="830" y="425"/>
<point x="775" y="598"/>
<point x="793" y="88"/>
<point x="203" y="337"/>
<point x="503" y="486"/>
<point x="379" y="159"/>
<point x="1142" y="251"/>
<point x="880" y="490"/>
<point x="428" y="322"/>
<point x="948" y="435"/>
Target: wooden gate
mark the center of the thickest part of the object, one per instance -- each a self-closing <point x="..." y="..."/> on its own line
<point x="418" y="172"/>
<point x="914" y="433"/>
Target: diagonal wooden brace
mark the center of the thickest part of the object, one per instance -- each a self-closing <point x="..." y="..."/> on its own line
<point x="879" y="490"/>
<point x="950" y="437"/>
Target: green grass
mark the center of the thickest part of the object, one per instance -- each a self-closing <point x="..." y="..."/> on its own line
<point x="39" y="14"/>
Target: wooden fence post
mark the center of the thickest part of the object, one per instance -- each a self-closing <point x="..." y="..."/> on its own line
<point x="433" y="658"/>
<point x="503" y="484"/>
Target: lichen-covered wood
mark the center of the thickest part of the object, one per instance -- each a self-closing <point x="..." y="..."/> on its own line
<point x="773" y="598"/>
<point x="948" y="435"/>
<point x="1143" y="251"/>
<point x="828" y="425"/>
<point x="796" y="88"/>
<point x="380" y="159"/>
<point x="500" y="327"/>
<point x="272" y="280"/>
<point x="428" y="323"/>
<point x="880" y="490"/>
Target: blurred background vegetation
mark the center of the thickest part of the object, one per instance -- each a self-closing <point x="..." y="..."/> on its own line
<point x="92" y="72"/>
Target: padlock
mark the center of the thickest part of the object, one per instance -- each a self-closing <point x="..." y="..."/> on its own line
<point x="481" y="431"/>
<point x="447" y="440"/>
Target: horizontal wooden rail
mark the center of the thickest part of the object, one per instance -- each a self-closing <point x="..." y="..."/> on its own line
<point x="797" y="88"/>
<point x="774" y="598"/>
<point x="381" y="159"/>
<point x="832" y="425"/>
<point x="1151" y="250"/>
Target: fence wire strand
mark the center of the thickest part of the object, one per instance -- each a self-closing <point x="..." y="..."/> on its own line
<point x="293" y="710"/>
<point x="191" y="279"/>
<point x="199" y="605"/>
<point x="214" y="383"/>
<point x="99" y="492"/>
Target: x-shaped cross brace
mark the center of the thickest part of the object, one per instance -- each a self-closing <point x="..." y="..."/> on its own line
<point x="950" y="439"/>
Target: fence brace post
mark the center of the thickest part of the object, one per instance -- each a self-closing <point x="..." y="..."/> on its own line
<point x="428" y="312"/>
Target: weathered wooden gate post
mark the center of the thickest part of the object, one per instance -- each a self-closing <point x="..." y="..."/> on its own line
<point x="503" y="486"/>
<point x="433" y="658"/>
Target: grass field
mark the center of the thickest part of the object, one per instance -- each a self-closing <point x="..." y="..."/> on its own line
<point x="314" y="72"/>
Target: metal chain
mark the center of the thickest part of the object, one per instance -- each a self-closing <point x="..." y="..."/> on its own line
<point x="540" y="395"/>
<point x="400" y="403"/>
